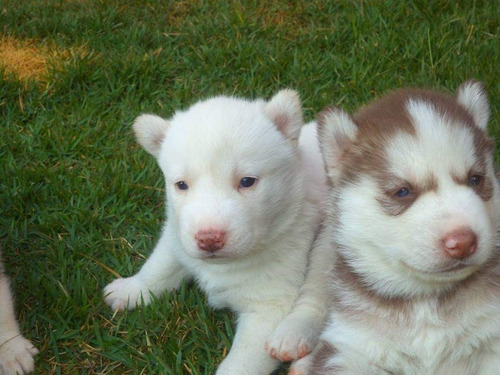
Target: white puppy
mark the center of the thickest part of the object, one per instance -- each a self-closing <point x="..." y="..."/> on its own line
<point x="16" y="353"/>
<point x="414" y="221"/>
<point x="242" y="214"/>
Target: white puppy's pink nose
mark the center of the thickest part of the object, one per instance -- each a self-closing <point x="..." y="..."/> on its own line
<point x="210" y="240"/>
<point x="460" y="243"/>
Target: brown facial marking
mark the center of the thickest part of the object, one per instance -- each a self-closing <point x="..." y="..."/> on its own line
<point x="479" y="286"/>
<point x="398" y="195"/>
<point x="350" y="293"/>
<point x="346" y="278"/>
<point x="384" y="119"/>
<point x="483" y="188"/>
<point x="484" y="147"/>
<point x="394" y="205"/>
<point x="322" y="354"/>
<point x="447" y="107"/>
<point x="378" y="123"/>
<point x="484" y="150"/>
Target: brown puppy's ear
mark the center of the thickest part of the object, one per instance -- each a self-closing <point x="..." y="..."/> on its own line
<point x="150" y="132"/>
<point x="336" y="133"/>
<point x="285" y="111"/>
<point x="472" y="96"/>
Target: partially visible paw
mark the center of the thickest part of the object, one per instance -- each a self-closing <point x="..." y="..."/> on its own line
<point x="16" y="356"/>
<point x="224" y="369"/>
<point x="295" y="337"/>
<point x="247" y="364"/>
<point x="301" y="367"/>
<point x="126" y="293"/>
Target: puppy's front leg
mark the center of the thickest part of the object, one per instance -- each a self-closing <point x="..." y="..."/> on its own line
<point x="16" y="353"/>
<point x="161" y="272"/>
<point x="298" y="333"/>
<point x="247" y="355"/>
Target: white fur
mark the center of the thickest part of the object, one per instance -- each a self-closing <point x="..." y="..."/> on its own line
<point x="432" y="216"/>
<point x="298" y="333"/>
<point x="472" y="96"/>
<point x="398" y="257"/>
<point x="16" y="352"/>
<point x="336" y="139"/>
<point x="150" y="132"/>
<point x="270" y="226"/>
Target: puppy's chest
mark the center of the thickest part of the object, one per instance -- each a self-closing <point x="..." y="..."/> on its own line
<point x="246" y="285"/>
<point x="429" y="337"/>
<point x="270" y="277"/>
<point x="226" y="287"/>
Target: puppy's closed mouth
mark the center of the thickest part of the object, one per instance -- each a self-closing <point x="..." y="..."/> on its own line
<point x="441" y="271"/>
<point x="215" y="257"/>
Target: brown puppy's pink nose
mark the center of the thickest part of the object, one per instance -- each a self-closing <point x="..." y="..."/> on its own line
<point x="210" y="240"/>
<point x="460" y="243"/>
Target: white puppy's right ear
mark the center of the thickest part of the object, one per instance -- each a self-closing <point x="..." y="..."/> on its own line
<point x="285" y="111"/>
<point x="150" y="132"/>
<point x="336" y="133"/>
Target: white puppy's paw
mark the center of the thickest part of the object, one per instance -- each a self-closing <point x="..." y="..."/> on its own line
<point x="126" y="293"/>
<point x="16" y="356"/>
<point x="230" y="367"/>
<point x="295" y="337"/>
<point x="224" y="370"/>
<point x="247" y="366"/>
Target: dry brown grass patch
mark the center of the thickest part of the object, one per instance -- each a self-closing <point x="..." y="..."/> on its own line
<point x="29" y="59"/>
<point x="25" y="59"/>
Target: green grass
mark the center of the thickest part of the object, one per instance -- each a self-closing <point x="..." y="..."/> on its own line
<point x="80" y="202"/>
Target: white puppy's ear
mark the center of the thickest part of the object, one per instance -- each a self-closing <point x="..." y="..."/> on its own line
<point x="150" y="132"/>
<point x="285" y="111"/>
<point x="472" y="96"/>
<point x="336" y="133"/>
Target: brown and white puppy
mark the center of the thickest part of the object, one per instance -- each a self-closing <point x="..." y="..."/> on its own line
<point x="16" y="352"/>
<point x="413" y="221"/>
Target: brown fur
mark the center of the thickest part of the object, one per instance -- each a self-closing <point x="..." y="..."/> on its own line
<point x="347" y="280"/>
<point x="322" y="353"/>
<point x="484" y="189"/>
<point x="356" y="301"/>
<point x="390" y="202"/>
<point x="379" y="122"/>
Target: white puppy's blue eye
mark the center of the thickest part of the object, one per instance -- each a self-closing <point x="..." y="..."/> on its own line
<point x="246" y="182"/>
<point x="403" y="192"/>
<point x="181" y="185"/>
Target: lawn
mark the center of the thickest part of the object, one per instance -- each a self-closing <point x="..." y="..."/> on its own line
<point x="81" y="203"/>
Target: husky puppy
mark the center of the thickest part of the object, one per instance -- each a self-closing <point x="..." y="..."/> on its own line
<point x="242" y="213"/>
<point x="16" y="353"/>
<point x="413" y="220"/>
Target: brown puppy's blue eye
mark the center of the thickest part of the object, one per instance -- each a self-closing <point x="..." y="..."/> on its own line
<point x="246" y="182"/>
<point x="475" y="180"/>
<point x="403" y="192"/>
<point x="181" y="185"/>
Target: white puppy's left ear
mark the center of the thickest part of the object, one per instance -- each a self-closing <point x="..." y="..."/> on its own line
<point x="472" y="96"/>
<point x="150" y="132"/>
<point x="285" y="111"/>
